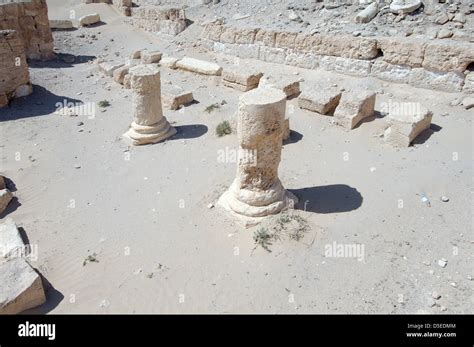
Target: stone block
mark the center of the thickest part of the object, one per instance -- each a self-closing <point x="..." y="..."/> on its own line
<point x="320" y="100"/>
<point x="404" y="125"/>
<point x="444" y="81"/>
<point x="174" y="96"/>
<point x="199" y="66"/>
<point x="391" y="73"/>
<point x="354" y="107"/>
<point x="21" y="288"/>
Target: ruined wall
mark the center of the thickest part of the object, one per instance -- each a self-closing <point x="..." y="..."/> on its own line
<point x="155" y="19"/>
<point x="30" y="19"/>
<point x="14" y="75"/>
<point x="436" y="64"/>
<point x="123" y="6"/>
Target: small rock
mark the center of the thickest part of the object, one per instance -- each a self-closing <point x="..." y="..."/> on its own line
<point x="468" y="102"/>
<point x="443" y="308"/>
<point x="453" y="284"/>
<point x="444" y="199"/>
<point x="211" y="205"/>
<point x="294" y="17"/>
<point x="80" y="124"/>
<point x="435" y="295"/>
<point x="445" y="34"/>
<point x="442" y="262"/>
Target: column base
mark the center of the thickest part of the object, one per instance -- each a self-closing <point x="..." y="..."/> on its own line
<point x="148" y="134"/>
<point x="251" y="207"/>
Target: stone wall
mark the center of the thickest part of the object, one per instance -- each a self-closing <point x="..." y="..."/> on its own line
<point x="158" y="20"/>
<point x="14" y="75"/>
<point x="30" y="19"/>
<point x="436" y="64"/>
<point x="123" y="6"/>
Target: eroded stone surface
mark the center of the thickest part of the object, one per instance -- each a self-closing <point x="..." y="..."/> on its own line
<point x="199" y="66"/>
<point x="89" y="19"/>
<point x="323" y="101"/>
<point x="287" y="84"/>
<point x="354" y="107"/>
<point x="241" y="78"/>
<point x="11" y="243"/>
<point x="21" y="287"/>
<point x="257" y="191"/>
<point x="149" y="125"/>
<point x="174" y="96"/>
<point x="405" y="124"/>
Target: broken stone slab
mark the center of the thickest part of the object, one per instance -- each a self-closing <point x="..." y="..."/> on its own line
<point x="241" y="79"/>
<point x="169" y="62"/>
<point x="404" y="6"/>
<point x="60" y="24"/>
<point x="120" y="74"/>
<point x="11" y="243"/>
<point x="406" y="123"/>
<point x="5" y="197"/>
<point x="150" y="57"/>
<point x="367" y="14"/>
<point x="322" y="101"/>
<point x="199" y="66"/>
<point x="136" y="54"/>
<point x="89" y="19"/>
<point x="354" y="107"/>
<point x="287" y="84"/>
<point x="108" y="67"/>
<point x="174" y="96"/>
<point x="21" y="287"/>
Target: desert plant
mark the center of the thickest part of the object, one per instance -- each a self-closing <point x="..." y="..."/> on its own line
<point x="104" y="103"/>
<point x="223" y="129"/>
<point x="211" y="107"/>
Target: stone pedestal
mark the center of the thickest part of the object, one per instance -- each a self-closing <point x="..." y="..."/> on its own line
<point x="149" y="125"/>
<point x="257" y="191"/>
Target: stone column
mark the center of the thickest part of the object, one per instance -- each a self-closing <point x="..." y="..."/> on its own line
<point x="149" y="125"/>
<point x="257" y="191"/>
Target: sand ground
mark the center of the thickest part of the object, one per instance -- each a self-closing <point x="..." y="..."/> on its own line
<point x="144" y="210"/>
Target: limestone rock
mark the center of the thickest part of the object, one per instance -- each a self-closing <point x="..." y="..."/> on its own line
<point x="390" y="72"/>
<point x="14" y="74"/>
<point x="406" y="124"/>
<point x="468" y="87"/>
<point x="443" y="81"/>
<point x="367" y="14"/>
<point x="89" y="19"/>
<point x="468" y="102"/>
<point x="120" y="73"/>
<point x="354" y="107"/>
<point x="150" y="57"/>
<point x="241" y="78"/>
<point x="21" y="288"/>
<point x="108" y="67"/>
<point x="287" y="84"/>
<point x="323" y="101"/>
<point x="136" y="54"/>
<point x="169" y="62"/>
<point x="60" y="24"/>
<point x="404" y="6"/>
<point x="127" y="81"/>
<point x="11" y="243"/>
<point x="5" y="197"/>
<point x="199" y="66"/>
<point x="174" y="96"/>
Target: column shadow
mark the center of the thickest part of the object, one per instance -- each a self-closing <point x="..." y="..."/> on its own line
<point x="333" y="198"/>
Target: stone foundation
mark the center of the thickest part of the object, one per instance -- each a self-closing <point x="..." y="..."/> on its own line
<point x="30" y="19"/>
<point x="435" y="64"/>
<point x="157" y="20"/>
<point x="14" y="75"/>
